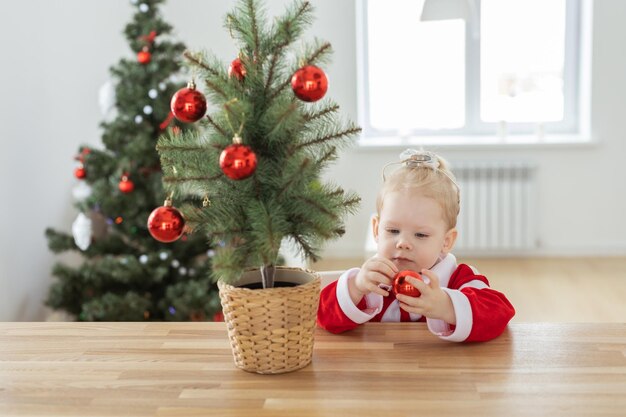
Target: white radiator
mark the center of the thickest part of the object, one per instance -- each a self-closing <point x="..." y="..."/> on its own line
<point x="498" y="207"/>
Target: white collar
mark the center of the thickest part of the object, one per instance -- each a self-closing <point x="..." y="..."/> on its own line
<point x="444" y="269"/>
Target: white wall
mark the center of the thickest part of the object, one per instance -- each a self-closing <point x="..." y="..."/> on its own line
<point x="55" y="54"/>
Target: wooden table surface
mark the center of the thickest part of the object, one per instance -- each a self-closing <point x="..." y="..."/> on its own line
<point x="400" y="369"/>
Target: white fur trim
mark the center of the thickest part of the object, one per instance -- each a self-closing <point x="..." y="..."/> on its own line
<point x="415" y="316"/>
<point x="392" y="314"/>
<point x="374" y="301"/>
<point x="464" y="319"/>
<point x="475" y="270"/>
<point x="475" y="283"/>
<point x="444" y="269"/>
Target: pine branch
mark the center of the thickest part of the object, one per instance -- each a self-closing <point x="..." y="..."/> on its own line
<point x="351" y="202"/>
<point x="217" y="127"/>
<point x="200" y="63"/>
<point x="255" y="29"/>
<point x="308" y="250"/>
<point x="313" y="116"/>
<point x="216" y="89"/>
<point x="336" y="192"/>
<point x="270" y="76"/>
<point x="305" y="163"/>
<point x="317" y="141"/>
<point x="321" y="50"/>
<point x="318" y="207"/>
<point x="228" y="232"/>
<point x="160" y="147"/>
<point x="189" y="179"/>
<point x="331" y="154"/>
<point x="279" y="122"/>
<point x="289" y="35"/>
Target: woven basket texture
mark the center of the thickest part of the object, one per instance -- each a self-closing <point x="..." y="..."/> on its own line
<point x="271" y="330"/>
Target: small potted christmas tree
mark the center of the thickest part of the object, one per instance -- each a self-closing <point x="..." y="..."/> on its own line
<point x="255" y="174"/>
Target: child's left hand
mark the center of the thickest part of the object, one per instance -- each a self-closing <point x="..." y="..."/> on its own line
<point x="434" y="303"/>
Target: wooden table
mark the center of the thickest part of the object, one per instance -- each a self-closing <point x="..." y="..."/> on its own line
<point x="186" y="369"/>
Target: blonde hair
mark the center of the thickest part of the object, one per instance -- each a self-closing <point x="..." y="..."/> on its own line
<point x="435" y="181"/>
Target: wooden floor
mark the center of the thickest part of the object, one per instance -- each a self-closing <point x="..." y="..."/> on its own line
<point x="584" y="290"/>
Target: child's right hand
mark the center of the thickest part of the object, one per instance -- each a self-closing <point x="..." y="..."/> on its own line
<point x="375" y="271"/>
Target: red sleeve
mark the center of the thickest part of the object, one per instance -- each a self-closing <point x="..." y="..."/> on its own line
<point x="491" y="310"/>
<point x="329" y="314"/>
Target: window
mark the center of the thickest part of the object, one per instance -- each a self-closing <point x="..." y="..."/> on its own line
<point x="469" y="69"/>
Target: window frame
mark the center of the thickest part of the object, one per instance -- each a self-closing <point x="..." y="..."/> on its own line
<point x="574" y="127"/>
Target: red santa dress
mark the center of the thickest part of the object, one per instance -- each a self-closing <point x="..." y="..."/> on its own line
<point x="481" y="312"/>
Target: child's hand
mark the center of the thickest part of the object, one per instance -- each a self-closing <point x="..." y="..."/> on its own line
<point x="375" y="271"/>
<point x="434" y="303"/>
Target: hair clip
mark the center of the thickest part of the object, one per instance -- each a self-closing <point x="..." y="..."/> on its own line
<point x="412" y="158"/>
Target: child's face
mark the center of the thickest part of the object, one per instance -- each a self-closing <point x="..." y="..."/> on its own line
<point x="411" y="231"/>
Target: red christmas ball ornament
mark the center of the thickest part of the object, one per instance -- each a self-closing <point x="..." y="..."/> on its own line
<point x="402" y="286"/>
<point x="80" y="172"/>
<point x="309" y="83"/>
<point x="188" y="104"/>
<point x="238" y="161"/>
<point x="237" y="69"/>
<point x="166" y="224"/>
<point x="126" y="185"/>
<point x="144" y="56"/>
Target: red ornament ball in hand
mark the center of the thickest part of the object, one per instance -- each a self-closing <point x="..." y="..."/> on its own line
<point x="238" y="161"/>
<point x="144" y="56"/>
<point x="80" y="172"/>
<point x="166" y="224"/>
<point x="402" y="286"/>
<point x="237" y="69"/>
<point x="309" y="83"/>
<point x="126" y="185"/>
<point x="188" y="104"/>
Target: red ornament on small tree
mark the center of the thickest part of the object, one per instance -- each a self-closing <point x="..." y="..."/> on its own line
<point x="188" y="104"/>
<point x="309" y="83"/>
<point x="126" y="185"/>
<point x="166" y="224"/>
<point x="144" y="56"/>
<point x="238" y="161"/>
<point x="237" y="69"/>
<point x="402" y="286"/>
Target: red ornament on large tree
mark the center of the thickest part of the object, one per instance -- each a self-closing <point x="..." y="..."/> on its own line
<point x="126" y="185"/>
<point x="188" y="104"/>
<point x="402" y="286"/>
<point x="144" y="56"/>
<point x="309" y="83"/>
<point x="166" y="224"/>
<point x="80" y="172"/>
<point x="238" y="161"/>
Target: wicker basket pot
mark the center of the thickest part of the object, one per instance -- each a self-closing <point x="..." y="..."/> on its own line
<point x="271" y="330"/>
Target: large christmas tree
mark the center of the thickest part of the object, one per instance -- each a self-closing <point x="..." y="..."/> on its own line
<point x="261" y="155"/>
<point x="126" y="274"/>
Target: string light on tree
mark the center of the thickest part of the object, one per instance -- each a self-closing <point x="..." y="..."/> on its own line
<point x="238" y="161"/>
<point x="166" y="223"/>
<point x="188" y="104"/>
<point x="309" y="83"/>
